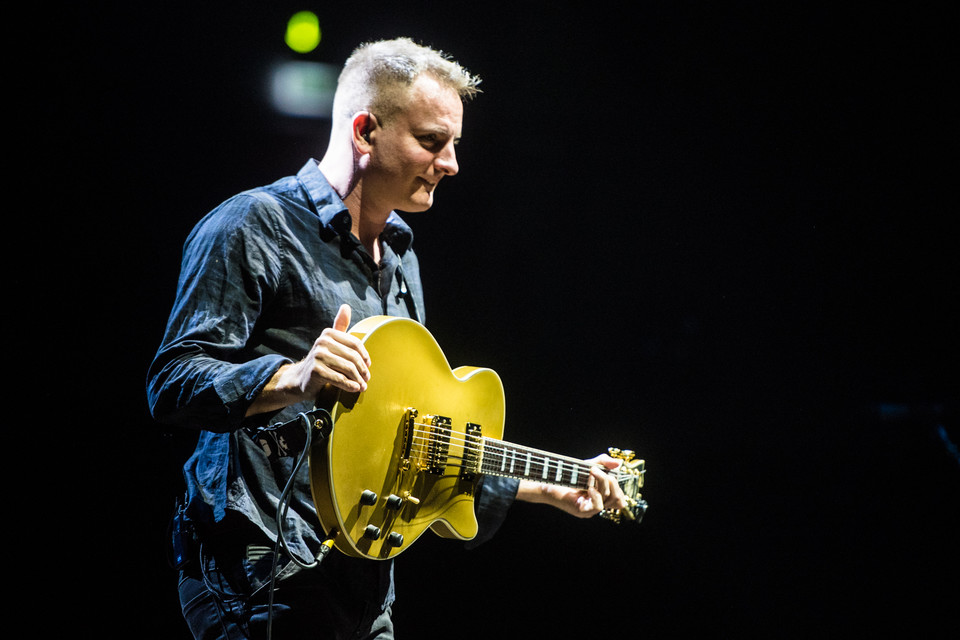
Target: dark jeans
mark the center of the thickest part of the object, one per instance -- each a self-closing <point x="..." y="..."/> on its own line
<point x="225" y="595"/>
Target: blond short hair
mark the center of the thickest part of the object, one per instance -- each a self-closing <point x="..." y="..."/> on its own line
<point x="377" y="75"/>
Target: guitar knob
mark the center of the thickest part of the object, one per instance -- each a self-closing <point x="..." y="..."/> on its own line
<point x="395" y="539"/>
<point x="368" y="498"/>
<point x="372" y="532"/>
<point x="394" y="502"/>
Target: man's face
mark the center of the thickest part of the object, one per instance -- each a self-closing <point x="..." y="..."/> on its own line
<point x="414" y="150"/>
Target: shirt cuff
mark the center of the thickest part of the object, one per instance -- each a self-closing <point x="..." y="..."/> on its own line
<point x="495" y="495"/>
<point x="241" y="384"/>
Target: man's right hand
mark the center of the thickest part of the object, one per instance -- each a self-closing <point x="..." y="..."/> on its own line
<point x="337" y="359"/>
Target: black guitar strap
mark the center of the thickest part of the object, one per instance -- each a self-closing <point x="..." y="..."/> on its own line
<point x="287" y="439"/>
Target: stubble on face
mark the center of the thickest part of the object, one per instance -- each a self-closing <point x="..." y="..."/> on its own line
<point x="415" y="147"/>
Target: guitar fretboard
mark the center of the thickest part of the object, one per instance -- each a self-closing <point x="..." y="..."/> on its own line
<point x="514" y="461"/>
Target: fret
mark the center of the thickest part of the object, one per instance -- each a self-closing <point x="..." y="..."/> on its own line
<point x="515" y="461"/>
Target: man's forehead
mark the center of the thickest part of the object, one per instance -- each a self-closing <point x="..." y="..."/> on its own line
<point x="430" y="101"/>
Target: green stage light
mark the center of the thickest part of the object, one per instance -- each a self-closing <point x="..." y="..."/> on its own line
<point x="303" y="32"/>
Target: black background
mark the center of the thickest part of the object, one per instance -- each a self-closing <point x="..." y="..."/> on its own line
<point x="716" y="233"/>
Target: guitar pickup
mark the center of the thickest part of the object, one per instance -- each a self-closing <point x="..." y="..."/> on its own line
<point x="472" y="452"/>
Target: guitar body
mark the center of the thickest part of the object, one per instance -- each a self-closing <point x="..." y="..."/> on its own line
<point x="385" y="475"/>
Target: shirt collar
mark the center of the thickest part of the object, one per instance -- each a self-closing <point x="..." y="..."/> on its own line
<point x="334" y="215"/>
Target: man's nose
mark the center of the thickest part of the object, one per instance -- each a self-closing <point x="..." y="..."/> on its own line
<point x="446" y="161"/>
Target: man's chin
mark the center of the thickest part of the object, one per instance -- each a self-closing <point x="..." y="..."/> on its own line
<point x="417" y="205"/>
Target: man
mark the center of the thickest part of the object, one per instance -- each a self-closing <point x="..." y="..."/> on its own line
<point x="270" y="283"/>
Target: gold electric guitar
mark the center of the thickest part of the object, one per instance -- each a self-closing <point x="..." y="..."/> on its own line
<point x="405" y="455"/>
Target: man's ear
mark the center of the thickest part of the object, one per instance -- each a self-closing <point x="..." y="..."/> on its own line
<point x="364" y="123"/>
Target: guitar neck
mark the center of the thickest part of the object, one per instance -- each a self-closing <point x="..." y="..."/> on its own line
<point x="510" y="460"/>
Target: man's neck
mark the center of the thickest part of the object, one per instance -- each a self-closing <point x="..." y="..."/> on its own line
<point x="367" y="225"/>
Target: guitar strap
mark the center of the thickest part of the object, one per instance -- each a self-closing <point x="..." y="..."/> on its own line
<point x="279" y="441"/>
<point x="288" y="439"/>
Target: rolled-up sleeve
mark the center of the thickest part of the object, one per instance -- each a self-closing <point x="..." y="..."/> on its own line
<point x="204" y="374"/>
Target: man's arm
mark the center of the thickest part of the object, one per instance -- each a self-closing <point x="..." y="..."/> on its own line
<point x="603" y="492"/>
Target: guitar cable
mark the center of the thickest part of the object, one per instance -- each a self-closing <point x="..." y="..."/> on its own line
<point x="284" y="505"/>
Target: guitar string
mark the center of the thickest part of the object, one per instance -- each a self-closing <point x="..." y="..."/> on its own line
<point x="497" y="447"/>
<point x="578" y="480"/>
<point x="538" y="463"/>
<point x="492" y="443"/>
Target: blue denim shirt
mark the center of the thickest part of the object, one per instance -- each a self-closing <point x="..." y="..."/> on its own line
<point x="261" y="276"/>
